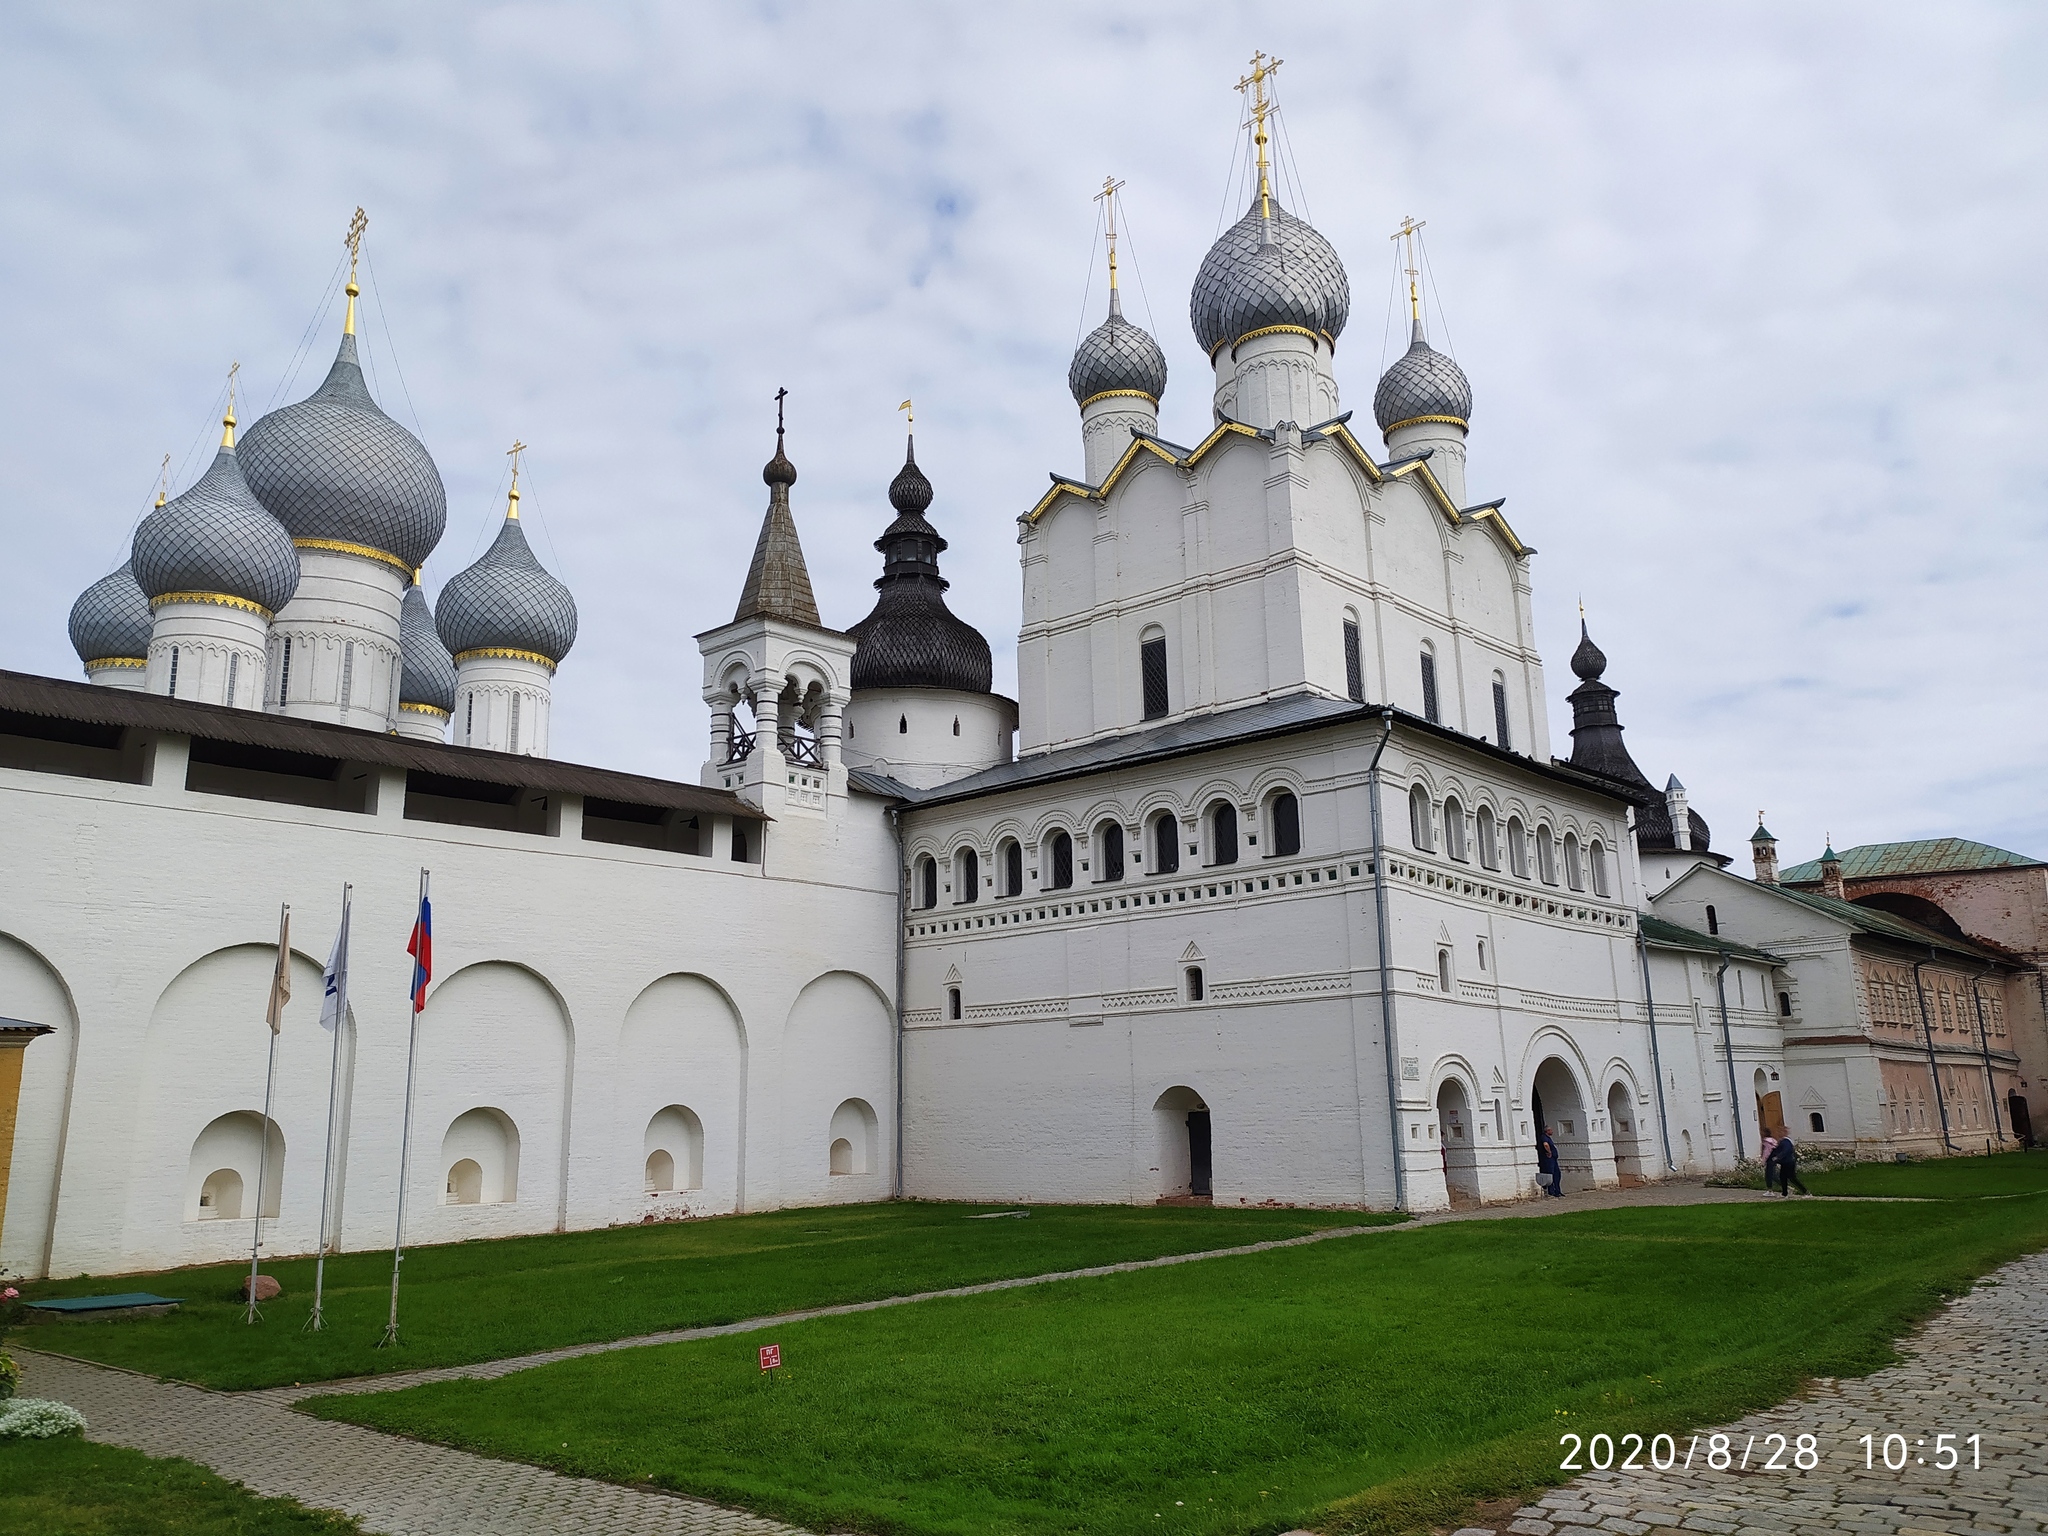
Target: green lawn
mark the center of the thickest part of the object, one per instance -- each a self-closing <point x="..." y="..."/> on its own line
<point x="75" y="1488"/>
<point x="2005" y="1173"/>
<point x="1373" y="1383"/>
<point x="487" y="1300"/>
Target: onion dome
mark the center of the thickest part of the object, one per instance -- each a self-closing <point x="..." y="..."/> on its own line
<point x="912" y="640"/>
<point x="111" y="621"/>
<point x="1423" y="385"/>
<point x="507" y="602"/>
<point x="1266" y="272"/>
<point x="1588" y="661"/>
<point x="214" y="540"/>
<point x="1117" y="358"/>
<point x="426" y="673"/>
<point x="335" y="469"/>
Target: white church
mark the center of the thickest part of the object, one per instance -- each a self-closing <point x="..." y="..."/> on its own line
<point x="1266" y="889"/>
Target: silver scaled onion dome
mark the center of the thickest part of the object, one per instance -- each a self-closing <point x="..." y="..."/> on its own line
<point x="1423" y="385"/>
<point x="426" y="671"/>
<point x="912" y="639"/>
<point x="111" y="619"/>
<point x="507" y="601"/>
<point x="1265" y="272"/>
<point x="1117" y="358"/>
<point x="214" y="539"/>
<point x="335" y="468"/>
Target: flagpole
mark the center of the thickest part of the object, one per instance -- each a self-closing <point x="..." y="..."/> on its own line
<point x="412" y="1052"/>
<point x="317" y="1320"/>
<point x="254" y="1313"/>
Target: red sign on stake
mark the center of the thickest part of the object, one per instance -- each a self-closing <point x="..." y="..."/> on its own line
<point x="771" y="1356"/>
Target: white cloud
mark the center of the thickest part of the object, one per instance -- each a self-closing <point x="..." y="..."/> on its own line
<point x="1748" y="296"/>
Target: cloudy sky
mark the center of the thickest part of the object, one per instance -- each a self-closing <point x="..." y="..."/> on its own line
<point x="1751" y="297"/>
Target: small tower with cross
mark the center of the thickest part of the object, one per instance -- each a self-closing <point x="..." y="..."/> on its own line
<point x="776" y="679"/>
<point x="1118" y="372"/>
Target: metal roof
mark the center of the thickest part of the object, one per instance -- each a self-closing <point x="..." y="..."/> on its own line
<point x="1927" y="856"/>
<point x="1200" y="733"/>
<point x="54" y="699"/>
<point x="1669" y="935"/>
<point x="1881" y="924"/>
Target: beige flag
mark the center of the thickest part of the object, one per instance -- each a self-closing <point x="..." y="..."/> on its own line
<point x="281" y="981"/>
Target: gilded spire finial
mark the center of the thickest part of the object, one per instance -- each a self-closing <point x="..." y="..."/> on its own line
<point x="1254" y="85"/>
<point x="163" y="481"/>
<point x="419" y="573"/>
<point x="909" y="416"/>
<point x="512" y="496"/>
<point x="1107" y="197"/>
<point x="354" y="241"/>
<point x="1410" y="228"/>
<point x="227" y="422"/>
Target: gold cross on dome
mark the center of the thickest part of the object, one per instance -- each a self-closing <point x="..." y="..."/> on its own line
<point x="1254" y="87"/>
<point x="1410" y="228"/>
<point x="354" y="238"/>
<point x="512" y="497"/>
<point x="1107" y="197"/>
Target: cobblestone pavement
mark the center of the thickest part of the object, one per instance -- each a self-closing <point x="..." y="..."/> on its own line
<point x="1980" y="1368"/>
<point x="406" y="1488"/>
<point x="395" y="1486"/>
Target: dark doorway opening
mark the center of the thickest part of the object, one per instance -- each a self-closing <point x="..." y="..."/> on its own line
<point x="2022" y="1123"/>
<point x="1198" y="1154"/>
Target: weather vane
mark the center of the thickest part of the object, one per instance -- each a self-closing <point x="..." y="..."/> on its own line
<point x="1254" y="85"/>
<point x="1410" y="228"/>
<point x="909" y="416"/>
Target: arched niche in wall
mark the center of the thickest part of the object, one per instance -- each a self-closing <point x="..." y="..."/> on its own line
<point x="838" y="1045"/>
<point x="496" y="1036"/>
<point x="33" y="991"/>
<point x="228" y="1160"/>
<point x="203" y="1058"/>
<point x="480" y="1158"/>
<point x="684" y="1046"/>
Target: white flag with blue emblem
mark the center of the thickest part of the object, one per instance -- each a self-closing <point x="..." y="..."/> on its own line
<point x="334" y="1003"/>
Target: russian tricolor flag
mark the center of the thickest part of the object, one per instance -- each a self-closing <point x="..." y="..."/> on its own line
<point x="421" y="948"/>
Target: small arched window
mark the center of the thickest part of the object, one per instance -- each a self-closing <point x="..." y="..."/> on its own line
<point x="1713" y="920"/>
<point x="1354" y="660"/>
<point x="1574" y="871"/>
<point x="1430" y="707"/>
<point x="927" y="881"/>
<point x="1482" y="954"/>
<point x="1518" y="849"/>
<point x="1596" y="855"/>
<point x="1062" y="862"/>
<point x="903" y="725"/>
<point x="1785" y="1005"/>
<point x="966" y="876"/>
<point x="1421" y="823"/>
<point x="1152" y="671"/>
<point x="1010" y="860"/>
<point x="952" y="1002"/>
<point x="1222" y="833"/>
<point x="1454" y="828"/>
<point x="1489" y="838"/>
<point x="1194" y="981"/>
<point x="1285" y="814"/>
<point x="956" y="725"/>
<point x="1500" y="712"/>
<point x="1165" y="843"/>
<point x="1443" y="971"/>
<point x="1109" y="851"/>
<point x="1546" y="856"/>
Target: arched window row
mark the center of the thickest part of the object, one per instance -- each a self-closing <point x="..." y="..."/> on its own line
<point x="1533" y="848"/>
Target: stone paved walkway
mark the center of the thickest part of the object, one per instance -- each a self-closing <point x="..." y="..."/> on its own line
<point x="405" y="1488"/>
<point x="1981" y="1367"/>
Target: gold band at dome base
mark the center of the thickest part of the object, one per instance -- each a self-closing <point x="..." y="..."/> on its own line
<point x="217" y="599"/>
<point x="118" y="664"/>
<point x="1422" y="421"/>
<point x="503" y="653"/>
<point x="1121" y="394"/>
<point x="343" y="547"/>
<point x="424" y="709"/>
<point x="1272" y="330"/>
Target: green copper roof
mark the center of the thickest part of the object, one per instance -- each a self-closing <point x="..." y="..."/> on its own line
<point x="1762" y="834"/>
<point x="1662" y="933"/>
<point x="1928" y="856"/>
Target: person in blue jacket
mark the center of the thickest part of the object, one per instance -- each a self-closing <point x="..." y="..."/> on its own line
<point x="1549" y="1172"/>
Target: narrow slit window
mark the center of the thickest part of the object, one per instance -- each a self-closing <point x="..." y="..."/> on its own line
<point x="1354" y="664"/>
<point x="284" y="678"/>
<point x="1194" y="979"/>
<point x="234" y="676"/>
<point x="1430" y="712"/>
<point x="173" y="689"/>
<point x="1500" y="714"/>
<point x="1152" y="666"/>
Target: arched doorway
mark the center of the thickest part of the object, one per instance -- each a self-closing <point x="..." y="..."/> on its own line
<point x="1457" y="1129"/>
<point x="1555" y="1096"/>
<point x="1770" y="1106"/>
<point x="1184" y="1159"/>
<point x="1627" y="1132"/>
